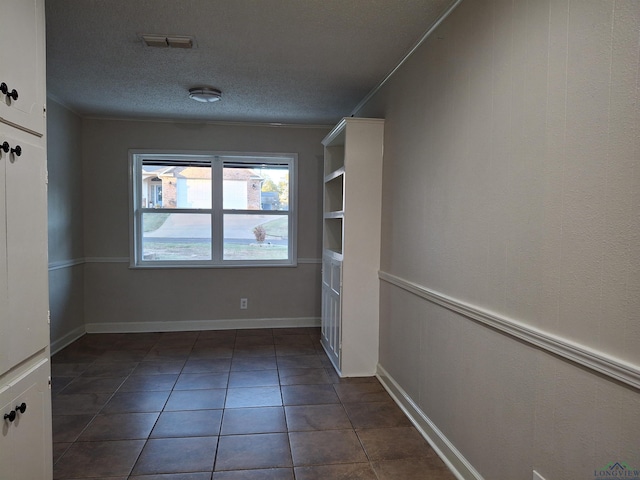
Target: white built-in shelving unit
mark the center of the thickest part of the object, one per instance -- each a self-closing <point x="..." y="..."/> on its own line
<point x="351" y="244"/>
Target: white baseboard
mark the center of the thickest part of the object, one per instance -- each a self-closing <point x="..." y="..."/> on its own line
<point x="191" y="325"/>
<point x="67" y="339"/>
<point x="449" y="454"/>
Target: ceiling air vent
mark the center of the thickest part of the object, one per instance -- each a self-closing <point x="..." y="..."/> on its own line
<point x="166" y="41"/>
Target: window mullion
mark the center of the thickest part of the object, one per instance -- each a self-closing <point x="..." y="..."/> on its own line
<point x="217" y="234"/>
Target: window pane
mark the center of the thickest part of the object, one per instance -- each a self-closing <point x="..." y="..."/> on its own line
<point x="176" y="236"/>
<point x="171" y="186"/>
<point x="256" y="237"/>
<point x="255" y="187"/>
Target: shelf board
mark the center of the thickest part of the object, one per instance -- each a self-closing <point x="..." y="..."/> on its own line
<point x="338" y="214"/>
<point x="334" y="174"/>
<point x="332" y="254"/>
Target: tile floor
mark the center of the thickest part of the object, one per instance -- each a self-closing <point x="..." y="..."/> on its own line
<point x="225" y="405"/>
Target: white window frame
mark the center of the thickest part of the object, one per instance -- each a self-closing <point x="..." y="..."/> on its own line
<point x="217" y="212"/>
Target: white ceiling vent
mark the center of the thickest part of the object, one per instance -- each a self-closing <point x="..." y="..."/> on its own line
<point x="166" y="41"/>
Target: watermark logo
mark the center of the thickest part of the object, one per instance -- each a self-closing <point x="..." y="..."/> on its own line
<point x="617" y="470"/>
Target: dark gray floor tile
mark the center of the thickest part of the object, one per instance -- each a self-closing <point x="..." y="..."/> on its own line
<point x="299" y="361"/>
<point x="308" y="394"/>
<point x="326" y="447"/>
<point x="253" y="363"/>
<point x="196" y="399"/>
<point x="303" y="376"/>
<point x="350" y="471"/>
<point x="176" y="455"/>
<point x="206" y="365"/>
<point x="246" y="452"/>
<point x="79" y="404"/>
<point x="93" y="385"/>
<point x="376" y="415"/>
<point x="394" y="443"/>
<point x="133" y="402"/>
<point x="98" y="459"/>
<point x="362" y="392"/>
<point x="238" y="421"/>
<point x="262" y="474"/>
<point x="424" y="468"/>
<point x="119" y="426"/>
<point x="192" y="423"/>
<point x="253" y="397"/>
<point x="157" y="367"/>
<point x="174" y="476"/>
<point x="316" y="417"/>
<point x="254" y="378"/>
<point x="149" y="383"/>
<point x="202" y="381"/>
<point x="67" y="428"/>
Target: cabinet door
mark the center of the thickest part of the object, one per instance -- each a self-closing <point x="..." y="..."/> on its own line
<point x="26" y="220"/>
<point x="331" y="309"/>
<point x="31" y="442"/>
<point x="6" y="406"/>
<point x="4" y="306"/>
<point x="25" y="443"/>
<point x="22" y="57"/>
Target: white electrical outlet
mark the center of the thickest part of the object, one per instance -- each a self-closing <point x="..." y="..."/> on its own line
<point x="244" y="304"/>
<point x="537" y="476"/>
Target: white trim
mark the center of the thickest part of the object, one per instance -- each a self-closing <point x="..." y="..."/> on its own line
<point x="597" y="361"/>
<point x="424" y="37"/>
<point x="65" y="263"/>
<point x="67" y="339"/>
<point x="450" y="455"/>
<point x="80" y="261"/>
<point x="20" y="127"/>
<point x="309" y="260"/>
<point x="339" y="128"/>
<point x="193" y="325"/>
<point x="220" y="123"/>
<point x="216" y="160"/>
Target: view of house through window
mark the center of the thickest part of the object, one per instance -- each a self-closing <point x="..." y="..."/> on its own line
<point x="225" y="209"/>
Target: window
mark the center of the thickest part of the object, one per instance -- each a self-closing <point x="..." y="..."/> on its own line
<point x="212" y="209"/>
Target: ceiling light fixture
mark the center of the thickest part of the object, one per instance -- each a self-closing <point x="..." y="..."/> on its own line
<point x="205" y="94"/>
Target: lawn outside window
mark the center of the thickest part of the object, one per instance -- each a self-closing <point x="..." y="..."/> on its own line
<point x="212" y="209"/>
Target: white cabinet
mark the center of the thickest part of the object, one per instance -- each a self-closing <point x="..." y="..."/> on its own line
<point x="331" y="306"/>
<point x="25" y="431"/>
<point x="23" y="263"/>
<point x="351" y="244"/>
<point x="25" y="436"/>
<point x="22" y="57"/>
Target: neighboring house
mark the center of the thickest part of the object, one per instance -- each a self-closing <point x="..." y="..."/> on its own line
<point x="190" y="187"/>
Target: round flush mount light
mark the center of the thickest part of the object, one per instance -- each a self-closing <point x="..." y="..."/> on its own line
<point x="205" y="94"/>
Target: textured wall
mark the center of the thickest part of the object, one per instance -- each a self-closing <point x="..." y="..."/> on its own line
<point x="512" y="184"/>
<point x="115" y="293"/>
<point x="66" y="232"/>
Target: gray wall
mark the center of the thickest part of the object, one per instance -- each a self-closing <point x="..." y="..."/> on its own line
<point x="512" y="186"/>
<point x="66" y="230"/>
<point x="120" y="298"/>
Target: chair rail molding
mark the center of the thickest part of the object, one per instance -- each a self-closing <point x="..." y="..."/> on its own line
<point x="594" y="360"/>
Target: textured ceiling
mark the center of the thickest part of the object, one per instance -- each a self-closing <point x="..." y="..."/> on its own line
<point x="276" y="61"/>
